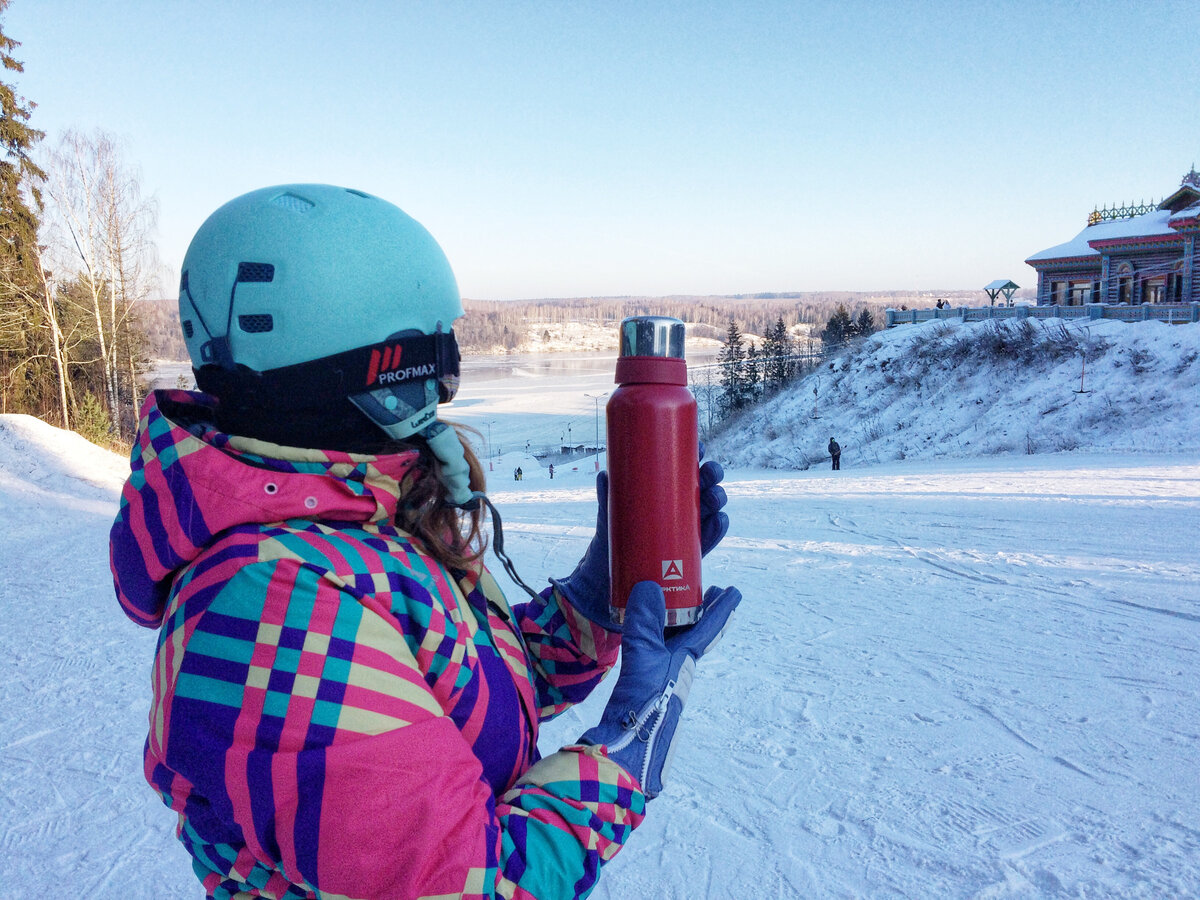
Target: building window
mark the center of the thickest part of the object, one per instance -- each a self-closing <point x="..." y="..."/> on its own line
<point x="1095" y="292"/>
<point x="1058" y="293"/>
<point x="1125" y="290"/>
<point x="1081" y="291"/>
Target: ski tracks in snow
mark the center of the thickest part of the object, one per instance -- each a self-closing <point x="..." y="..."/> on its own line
<point x="930" y="690"/>
<point x="966" y="698"/>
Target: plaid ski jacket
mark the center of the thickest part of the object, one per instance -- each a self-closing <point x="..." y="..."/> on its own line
<point x="334" y="713"/>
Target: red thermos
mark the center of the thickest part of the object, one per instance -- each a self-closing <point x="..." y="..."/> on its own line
<point x="653" y="470"/>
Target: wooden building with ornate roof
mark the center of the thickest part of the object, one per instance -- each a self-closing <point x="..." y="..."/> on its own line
<point x="1128" y="254"/>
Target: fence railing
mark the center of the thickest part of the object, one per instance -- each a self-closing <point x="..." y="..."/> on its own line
<point x="1172" y="313"/>
<point x="790" y="362"/>
<point x="707" y="382"/>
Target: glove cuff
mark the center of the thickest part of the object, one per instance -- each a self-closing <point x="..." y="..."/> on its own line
<point x="588" y="597"/>
<point x="643" y="742"/>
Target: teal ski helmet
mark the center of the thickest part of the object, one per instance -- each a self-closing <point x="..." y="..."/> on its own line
<point x="321" y="316"/>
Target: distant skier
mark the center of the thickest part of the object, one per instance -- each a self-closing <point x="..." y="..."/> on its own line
<point x="520" y="474"/>
<point x="835" y="453"/>
<point x="551" y="471"/>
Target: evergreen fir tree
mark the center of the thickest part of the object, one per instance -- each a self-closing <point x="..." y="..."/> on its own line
<point x="770" y="356"/>
<point x="838" y="329"/>
<point x="779" y="369"/>
<point x="26" y="353"/>
<point x="865" y="323"/>
<point x="18" y="221"/>
<point x="731" y="360"/>
<point x="753" y="373"/>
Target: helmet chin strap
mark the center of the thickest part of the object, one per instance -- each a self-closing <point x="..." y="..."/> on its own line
<point x="456" y="474"/>
<point x="403" y="415"/>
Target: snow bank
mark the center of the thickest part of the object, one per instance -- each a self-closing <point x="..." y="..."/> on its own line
<point x="36" y="457"/>
<point x="952" y="389"/>
<point x="76" y="817"/>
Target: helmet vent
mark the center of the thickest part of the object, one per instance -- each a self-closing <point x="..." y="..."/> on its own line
<point x="255" y="272"/>
<point x="188" y="329"/>
<point x="294" y="202"/>
<point x="256" y="324"/>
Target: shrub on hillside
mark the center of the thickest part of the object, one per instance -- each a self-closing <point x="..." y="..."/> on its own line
<point x="92" y="421"/>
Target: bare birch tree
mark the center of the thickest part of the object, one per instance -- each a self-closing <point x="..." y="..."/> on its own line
<point x="101" y="227"/>
<point x="57" y="343"/>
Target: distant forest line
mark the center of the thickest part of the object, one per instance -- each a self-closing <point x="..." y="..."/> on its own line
<point x="490" y="325"/>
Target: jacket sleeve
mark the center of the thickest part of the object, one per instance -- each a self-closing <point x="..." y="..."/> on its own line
<point x="569" y="653"/>
<point x="297" y="736"/>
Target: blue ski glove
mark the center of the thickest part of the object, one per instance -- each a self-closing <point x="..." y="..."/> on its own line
<point x="587" y="588"/>
<point x="638" y="725"/>
<point x="713" y="522"/>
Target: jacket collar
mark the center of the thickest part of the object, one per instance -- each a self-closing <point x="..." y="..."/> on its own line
<point x="189" y="482"/>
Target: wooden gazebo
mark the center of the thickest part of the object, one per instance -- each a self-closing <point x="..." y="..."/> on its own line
<point x="1001" y="286"/>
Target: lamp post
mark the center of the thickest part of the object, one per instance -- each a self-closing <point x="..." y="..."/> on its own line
<point x="597" y="398"/>
<point x="489" y="453"/>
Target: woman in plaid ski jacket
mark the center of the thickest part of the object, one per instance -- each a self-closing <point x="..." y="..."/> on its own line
<point x="334" y="710"/>
<point x="344" y="704"/>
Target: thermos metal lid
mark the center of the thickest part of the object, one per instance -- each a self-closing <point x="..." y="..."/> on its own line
<point x="652" y="336"/>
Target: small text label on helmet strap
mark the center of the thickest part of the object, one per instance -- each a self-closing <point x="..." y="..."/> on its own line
<point x="418" y="423"/>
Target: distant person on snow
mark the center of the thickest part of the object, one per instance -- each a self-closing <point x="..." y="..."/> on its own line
<point x="835" y="453"/>
<point x="552" y="471"/>
<point x="344" y="702"/>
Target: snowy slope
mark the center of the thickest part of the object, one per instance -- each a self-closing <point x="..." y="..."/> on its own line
<point x="953" y="675"/>
<point x="962" y="679"/>
<point x="949" y="389"/>
<point x="76" y="819"/>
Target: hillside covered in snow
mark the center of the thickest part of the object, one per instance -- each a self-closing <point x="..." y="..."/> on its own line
<point x="1000" y="387"/>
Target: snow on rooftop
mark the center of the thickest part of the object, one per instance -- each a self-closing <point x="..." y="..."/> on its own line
<point x="1148" y="225"/>
<point x="1188" y="212"/>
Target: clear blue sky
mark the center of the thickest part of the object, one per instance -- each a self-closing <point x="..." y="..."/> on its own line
<point x="562" y="149"/>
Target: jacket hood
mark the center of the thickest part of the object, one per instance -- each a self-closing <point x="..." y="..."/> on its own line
<point x="189" y="482"/>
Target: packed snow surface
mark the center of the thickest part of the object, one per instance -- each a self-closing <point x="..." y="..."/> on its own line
<point x="953" y="675"/>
